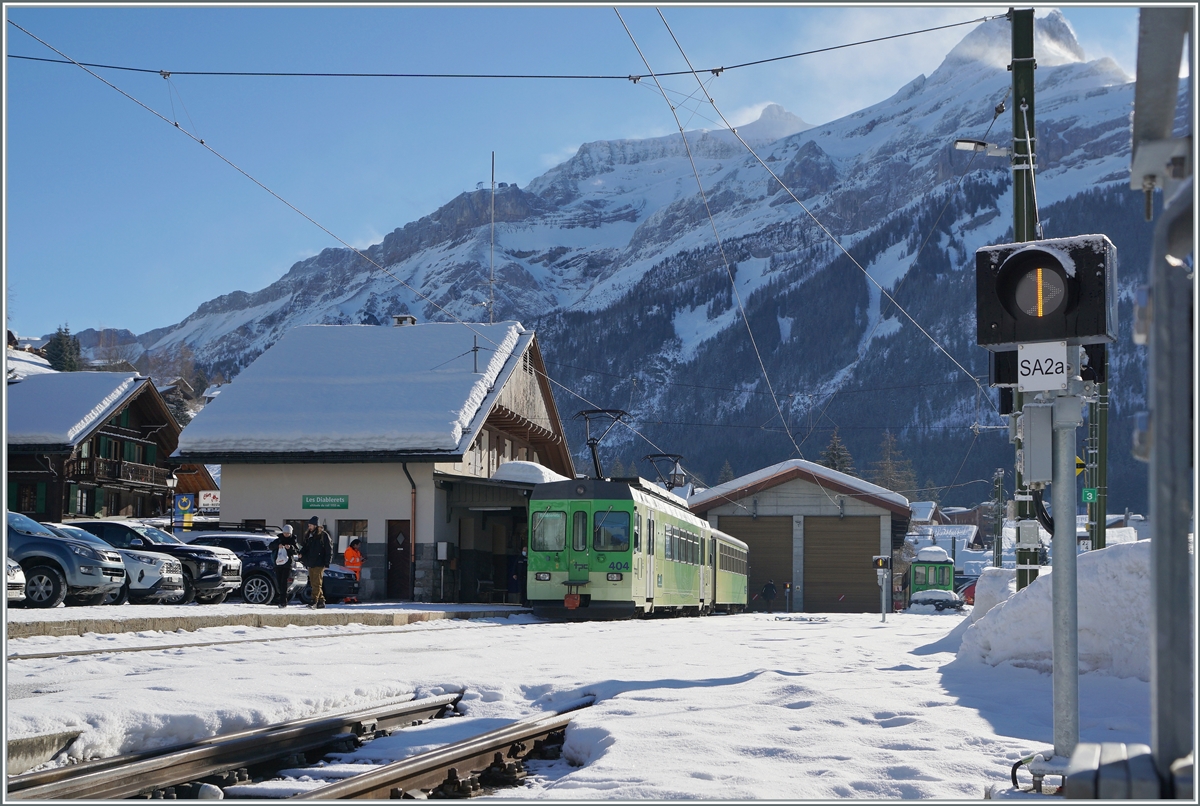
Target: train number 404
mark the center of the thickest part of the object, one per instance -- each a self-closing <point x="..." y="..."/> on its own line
<point x="618" y="566"/>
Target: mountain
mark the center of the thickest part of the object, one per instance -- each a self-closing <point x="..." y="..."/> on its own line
<point x="611" y="255"/>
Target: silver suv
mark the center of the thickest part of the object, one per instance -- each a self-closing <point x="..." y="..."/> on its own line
<point x="150" y="576"/>
<point x="61" y="569"/>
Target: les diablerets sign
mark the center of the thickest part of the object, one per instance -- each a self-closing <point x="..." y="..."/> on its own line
<point x="326" y="501"/>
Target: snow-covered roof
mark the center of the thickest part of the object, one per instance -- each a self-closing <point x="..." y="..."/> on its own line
<point x="526" y="472"/>
<point x="23" y="363"/>
<point x="933" y="554"/>
<point x="923" y="511"/>
<point x="798" y="468"/>
<point x="361" y="388"/>
<point x="63" y="408"/>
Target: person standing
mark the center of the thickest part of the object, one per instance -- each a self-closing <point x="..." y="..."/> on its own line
<point x="283" y="550"/>
<point x="316" y="553"/>
<point x="768" y="593"/>
<point x="354" y="557"/>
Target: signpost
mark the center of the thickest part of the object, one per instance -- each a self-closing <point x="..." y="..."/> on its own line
<point x="325" y="502"/>
<point x="882" y="564"/>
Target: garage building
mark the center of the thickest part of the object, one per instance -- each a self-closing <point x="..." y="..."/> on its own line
<point x="812" y="527"/>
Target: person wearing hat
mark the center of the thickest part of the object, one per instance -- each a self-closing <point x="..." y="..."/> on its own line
<point x="316" y="552"/>
<point x="283" y="550"/>
<point x="354" y="557"/>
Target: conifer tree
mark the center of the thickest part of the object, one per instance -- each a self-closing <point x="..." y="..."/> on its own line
<point x="836" y="455"/>
<point x="617" y="470"/>
<point x="893" y="471"/>
<point x="63" y="351"/>
<point x="726" y="473"/>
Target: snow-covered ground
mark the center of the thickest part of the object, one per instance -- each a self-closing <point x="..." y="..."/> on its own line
<point x="786" y="706"/>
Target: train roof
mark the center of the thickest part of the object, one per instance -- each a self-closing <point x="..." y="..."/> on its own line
<point x="618" y="489"/>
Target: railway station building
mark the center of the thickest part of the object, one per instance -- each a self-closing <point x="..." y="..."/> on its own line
<point x="422" y="440"/>
<point x="813" y="528"/>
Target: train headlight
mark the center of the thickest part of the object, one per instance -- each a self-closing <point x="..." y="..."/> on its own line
<point x="615" y="577"/>
<point x="542" y="576"/>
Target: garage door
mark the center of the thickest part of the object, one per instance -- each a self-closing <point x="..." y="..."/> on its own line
<point x="838" y="577"/>
<point x="770" y="544"/>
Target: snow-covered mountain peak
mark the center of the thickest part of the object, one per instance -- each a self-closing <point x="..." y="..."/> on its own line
<point x="1054" y="43"/>
<point x="773" y="124"/>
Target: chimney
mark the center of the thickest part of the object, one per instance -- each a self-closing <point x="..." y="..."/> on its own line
<point x="402" y="319"/>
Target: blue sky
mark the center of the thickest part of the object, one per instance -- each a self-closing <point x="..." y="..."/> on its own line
<point x="114" y="219"/>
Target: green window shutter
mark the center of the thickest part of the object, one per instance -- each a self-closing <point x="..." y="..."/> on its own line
<point x="41" y="496"/>
<point x="71" y="501"/>
<point x="103" y="454"/>
<point x="130" y="449"/>
<point x="12" y="496"/>
<point x="99" y="501"/>
<point x="151" y="454"/>
<point x="124" y="419"/>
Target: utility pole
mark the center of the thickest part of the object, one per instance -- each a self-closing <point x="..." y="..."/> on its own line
<point x="998" y="517"/>
<point x="1025" y="224"/>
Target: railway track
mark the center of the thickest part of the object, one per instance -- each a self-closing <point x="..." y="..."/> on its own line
<point x="219" y="757"/>
<point x="488" y="761"/>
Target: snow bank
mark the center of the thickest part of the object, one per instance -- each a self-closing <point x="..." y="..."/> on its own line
<point x="1114" y="617"/>
<point x="527" y="472"/>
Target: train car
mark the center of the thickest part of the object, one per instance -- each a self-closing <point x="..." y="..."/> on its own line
<point x="931" y="580"/>
<point x="623" y="548"/>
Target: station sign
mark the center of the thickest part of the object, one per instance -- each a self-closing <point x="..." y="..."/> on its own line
<point x="325" y="502"/>
<point x="1042" y="366"/>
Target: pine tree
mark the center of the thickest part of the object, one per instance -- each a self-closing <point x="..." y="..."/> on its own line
<point x="893" y="471"/>
<point x="726" y="473"/>
<point x="836" y="455"/>
<point x="617" y="470"/>
<point x="931" y="492"/>
<point x="63" y="351"/>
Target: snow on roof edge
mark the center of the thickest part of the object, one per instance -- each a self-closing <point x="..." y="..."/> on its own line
<point x="730" y="487"/>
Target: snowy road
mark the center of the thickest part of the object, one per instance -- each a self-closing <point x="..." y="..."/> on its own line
<point x="750" y="706"/>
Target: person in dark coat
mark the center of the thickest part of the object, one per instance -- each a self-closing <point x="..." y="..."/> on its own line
<point x="283" y="551"/>
<point x="316" y="552"/>
<point x="768" y="593"/>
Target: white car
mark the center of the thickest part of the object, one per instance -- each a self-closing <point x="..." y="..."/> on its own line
<point x="16" y="581"/>
<point x="149" y="576"/>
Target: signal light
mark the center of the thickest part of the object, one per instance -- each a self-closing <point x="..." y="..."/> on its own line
<point x="1058" y="289"/>
<point x="542" y="576"/>
<point x="881" y="562"/>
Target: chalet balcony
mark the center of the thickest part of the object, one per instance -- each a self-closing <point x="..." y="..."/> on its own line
<point x="101" y="470"/>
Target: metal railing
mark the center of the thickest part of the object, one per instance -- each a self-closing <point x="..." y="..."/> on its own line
<point x="100" y="469"/>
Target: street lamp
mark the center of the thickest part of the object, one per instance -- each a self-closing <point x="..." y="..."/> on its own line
<point x="991" y="149"/>
<point x="172" y="483"/>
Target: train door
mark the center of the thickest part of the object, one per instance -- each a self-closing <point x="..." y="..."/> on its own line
<point x="579" y="544"/>
<point x="703" y="570"/>
<point x="649" y="568"/>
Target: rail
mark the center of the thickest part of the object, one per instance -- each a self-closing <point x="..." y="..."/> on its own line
<point x="452" y="763"/>
<point x="141" y="773"/>
<point x="100" y="469"/>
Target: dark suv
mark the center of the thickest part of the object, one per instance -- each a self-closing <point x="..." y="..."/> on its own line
<point x="210" y="573"/>
<point x="58" y="568"/>
<point x="258" y="566"/>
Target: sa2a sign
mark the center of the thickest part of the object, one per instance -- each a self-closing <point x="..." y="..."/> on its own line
<point x="1042" y="366"/>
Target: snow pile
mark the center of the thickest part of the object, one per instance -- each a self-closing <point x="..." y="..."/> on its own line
<point x="933" y="554"/>
<point x="526" y="472"/>
<point x="1114" y="617"/>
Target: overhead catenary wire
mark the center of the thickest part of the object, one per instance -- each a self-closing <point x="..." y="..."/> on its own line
<point x="716" y="71"/>
<point x="720" y="246"/>
<point x="817" y="221"/>
<point x="318" y="225"/>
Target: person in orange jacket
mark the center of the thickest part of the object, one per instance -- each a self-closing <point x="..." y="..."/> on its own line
<point x="354" y="557"/>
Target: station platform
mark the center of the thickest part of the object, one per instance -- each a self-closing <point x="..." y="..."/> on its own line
<point x="28" y="623"/>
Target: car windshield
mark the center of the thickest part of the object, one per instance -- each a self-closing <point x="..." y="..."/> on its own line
<point x="156" y="535"/>
<point x="78" y="534"/>
<point x="28" y="526"/>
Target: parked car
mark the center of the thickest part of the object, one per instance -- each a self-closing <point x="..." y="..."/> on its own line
<point x="968" y="592"/>
<point x="258" y="565"/>
<point x="16" y="581"/>
<point x="59" y="569"/>
<point x="210" y="573"/>
<point x="338" y="582"/>
<point x="150" y="576"/>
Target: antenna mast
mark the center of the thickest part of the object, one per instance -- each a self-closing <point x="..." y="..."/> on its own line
<point x="492" y="251"/>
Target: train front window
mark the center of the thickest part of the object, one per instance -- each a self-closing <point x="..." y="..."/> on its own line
<point x="549" y="531"/>
<point x="918" y="575"/>
<point x="612" y="531"/>
<point x="579" y="531"/>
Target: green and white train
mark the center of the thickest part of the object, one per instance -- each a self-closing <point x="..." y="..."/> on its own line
<point x="624" y="548"/>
